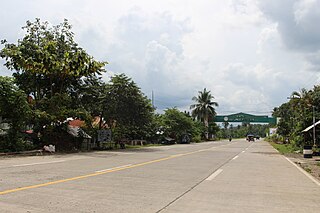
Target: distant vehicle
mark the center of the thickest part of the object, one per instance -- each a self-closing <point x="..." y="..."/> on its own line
<point x="250" y="137"/>
<point x="185" y="138"/>
<point x="257" y="137"/>
<point x="168" y="141"/>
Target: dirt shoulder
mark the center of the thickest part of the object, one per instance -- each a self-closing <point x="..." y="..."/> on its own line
<point x="311" y="165"/>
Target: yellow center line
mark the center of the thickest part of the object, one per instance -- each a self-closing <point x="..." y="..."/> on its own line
<point x="99" y="173"/>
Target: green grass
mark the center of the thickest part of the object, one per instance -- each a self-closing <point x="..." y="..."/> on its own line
<point x="307" y="169"/>
<point x="283" y="148"/>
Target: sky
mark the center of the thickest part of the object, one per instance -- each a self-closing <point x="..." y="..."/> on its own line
<point x="251" y="54"/>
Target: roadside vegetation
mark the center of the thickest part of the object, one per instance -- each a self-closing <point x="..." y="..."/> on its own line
<point x="295" y="116"/>
<point x="203" y="109"/>
<point x="240" y="131"/>
<point x="56" y="81"/>
<point x="299" y="112"/>
<point x="284" y="148"/>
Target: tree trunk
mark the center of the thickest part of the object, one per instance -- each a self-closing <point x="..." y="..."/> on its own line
<point x="206" y="124"/>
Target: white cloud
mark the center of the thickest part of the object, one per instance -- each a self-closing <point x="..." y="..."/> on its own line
<point x="297" y="21"/>
<point x="250" y="53"/>
<point x="244" y="13"/>
<point x="268" y="35"/>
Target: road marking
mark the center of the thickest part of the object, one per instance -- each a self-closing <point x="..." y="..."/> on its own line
<point x="215" y="174"/>
<point x="235" y="157"/>
<point x="98" y="173"/>
<point x="177" y="155"/>
<point x="304" y="172"/>
<point x="114" y="168"/>
<point x="82" y="176"/>
<point x="202" y="150"/>
<point x="243" y="151"/>
<point x="32" y="164"/>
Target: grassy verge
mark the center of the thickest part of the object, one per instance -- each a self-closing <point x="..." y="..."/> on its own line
<point x="283" y="148"/>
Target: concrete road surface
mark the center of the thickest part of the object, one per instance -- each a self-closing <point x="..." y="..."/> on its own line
<point x="223" y="176"/>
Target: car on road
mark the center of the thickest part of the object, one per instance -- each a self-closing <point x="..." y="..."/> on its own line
<point x="250" y="137"/>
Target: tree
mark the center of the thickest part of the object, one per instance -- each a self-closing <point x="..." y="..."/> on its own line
<point x="213" y="129"/>
<point x="297" y="114"/>
<point x="176" y="123"/>
<point x="128" y="108"/>
<point x="91" y="95"/>
<point x="47" y="60"/>
<point x="14" y="110"/>
<point x="51" y="68"/>
<point x="241" y="131"/>
<point x="204" y="107"/>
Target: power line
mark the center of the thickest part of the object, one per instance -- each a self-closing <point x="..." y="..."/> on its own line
<point x="312" y="80"/>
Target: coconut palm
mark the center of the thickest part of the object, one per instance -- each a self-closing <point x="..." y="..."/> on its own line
<point x="303" y="93"/>
<point x="204" y="107"/>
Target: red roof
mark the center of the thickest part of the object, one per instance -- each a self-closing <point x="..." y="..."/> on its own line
<point x="77" y="122"/>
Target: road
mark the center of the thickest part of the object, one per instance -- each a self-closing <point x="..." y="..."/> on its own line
<point x="221" y="176"/>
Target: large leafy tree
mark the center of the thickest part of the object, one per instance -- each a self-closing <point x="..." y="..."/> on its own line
<point x="91" y="95"/>
<point x="14" y="110"/>
<point x="52" y="69"/>
<point x="47" y="60"/>
<point x="176" y="123"/>
<point x="127" y="109"/>
<point x="204" y="107"/>
<point x="285" y="123"/>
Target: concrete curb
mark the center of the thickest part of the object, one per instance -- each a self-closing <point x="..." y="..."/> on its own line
<point x="304" y="172"/>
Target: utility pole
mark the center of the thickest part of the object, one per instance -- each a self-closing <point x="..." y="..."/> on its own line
<point x="314" y="127"/>
<point x="152" y="99"/>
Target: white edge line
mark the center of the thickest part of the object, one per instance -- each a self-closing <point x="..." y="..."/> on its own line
<point x="32" y="164"/>
<point x="215" y="174"/>
<point x="235" y="157"/>
<point x="118" y="167"/>
<point x="304" y="172"/>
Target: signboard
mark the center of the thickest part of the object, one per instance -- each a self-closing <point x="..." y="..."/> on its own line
<point x="272" y="131"/>
<point x="243" y="117"/>
<point x="104" y="135"/>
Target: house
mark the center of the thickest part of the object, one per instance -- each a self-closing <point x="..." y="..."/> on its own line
<point x="74" y="129"/>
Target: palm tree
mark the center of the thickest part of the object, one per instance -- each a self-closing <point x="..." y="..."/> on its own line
<point x="303" y="93"/>
<point x="300" y="101"/>
<point x="204" y="107"/>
